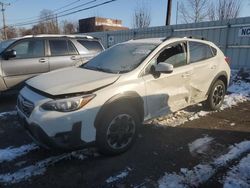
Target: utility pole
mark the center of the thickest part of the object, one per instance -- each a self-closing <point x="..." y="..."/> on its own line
<point x="4" y="24"/>
<point x="177" y="12"/>
<point x="169" y="8"/>
<point x="57" y="27"/>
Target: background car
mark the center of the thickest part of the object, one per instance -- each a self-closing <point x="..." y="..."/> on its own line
<point x="105" y="100"/>
<point x="25" y="57"/>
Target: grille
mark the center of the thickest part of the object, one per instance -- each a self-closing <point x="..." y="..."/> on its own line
<point x="25" y="105"/>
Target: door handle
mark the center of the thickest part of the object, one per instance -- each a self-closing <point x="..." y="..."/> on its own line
<point x="73" y="58"/>
<point x="42" y="60"/>
<point x="187" y="74"/>
<point x="213" y="67"/>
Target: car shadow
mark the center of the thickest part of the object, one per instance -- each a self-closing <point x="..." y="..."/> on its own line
<point x="7" y="102"/>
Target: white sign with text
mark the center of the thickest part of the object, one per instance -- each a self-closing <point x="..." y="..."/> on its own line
<point x="244" y="32"/>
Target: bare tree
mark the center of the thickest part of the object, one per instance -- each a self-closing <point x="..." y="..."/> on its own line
<point x="194" y="10"/>
<point x="48" y="23"/>
<point x="141" y="16"/>
<point x="224" y="9"/>
<point x="68" y="27"/>
<point x="23" y="31"/>
<point x="11" y="32"/>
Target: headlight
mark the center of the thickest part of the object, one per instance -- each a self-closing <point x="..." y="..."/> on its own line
<point x="67" y="105"/>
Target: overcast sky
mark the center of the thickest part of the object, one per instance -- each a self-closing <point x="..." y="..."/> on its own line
<point x="121" y="9"/>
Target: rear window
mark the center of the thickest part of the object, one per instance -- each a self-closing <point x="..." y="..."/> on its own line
<point x="214" y="51"/>
<point x="199" y="51"/>
<point x="92" y="46"/>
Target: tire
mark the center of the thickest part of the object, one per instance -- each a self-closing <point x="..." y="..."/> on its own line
<point x="117" y="130"/>
<point x="216" y="96"/>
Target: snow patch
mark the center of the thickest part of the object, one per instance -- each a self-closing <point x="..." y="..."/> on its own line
<point x="172" y="120"/>
<point x="202" y="172"/>
<point x="239" y="176"/>
<point x="40" y="167"/>
<point x="119" y="176"/>
<point x="200" y="145"/>
<point x="233" y="99"/>
<point x="240" y="87"/>
<point x="198" y="115"/>
<point x="187" y="178"/>
<point x="10" y="113"/>
<point x="235" y="151"/>
<point x="25" y="173"/>
<point x="11" y="153"/>
<point x="240" y="92"/>
<point x="232" y="124"/>
<point x="78" y="155"/>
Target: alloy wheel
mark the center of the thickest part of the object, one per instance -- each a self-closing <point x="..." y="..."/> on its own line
<point x="121" y="131"/>
<point x="218" y="95"/>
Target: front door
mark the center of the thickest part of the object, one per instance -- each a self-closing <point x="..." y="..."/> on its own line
<point x="30" y="60"/>
<point x="167" y="93"/>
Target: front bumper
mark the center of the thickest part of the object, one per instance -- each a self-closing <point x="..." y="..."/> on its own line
<point x="56" y="129"/>
<point x="2" y="85"/>
<point x="69" y="140"/>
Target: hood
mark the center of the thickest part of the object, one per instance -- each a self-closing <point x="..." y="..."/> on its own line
<point x="71" y="80"/>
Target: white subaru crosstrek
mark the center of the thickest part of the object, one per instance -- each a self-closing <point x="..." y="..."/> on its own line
<point x="105" y="100"/>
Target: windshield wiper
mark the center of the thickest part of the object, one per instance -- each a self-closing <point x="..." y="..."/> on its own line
<point x="121" y="72"/>
<point x="99" y="69"/>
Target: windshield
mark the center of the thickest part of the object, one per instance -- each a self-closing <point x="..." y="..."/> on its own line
<point x="121" y="58"/>
<point x="4" y="44"/>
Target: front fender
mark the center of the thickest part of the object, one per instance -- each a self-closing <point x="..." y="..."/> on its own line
<point x="130" y="98"/>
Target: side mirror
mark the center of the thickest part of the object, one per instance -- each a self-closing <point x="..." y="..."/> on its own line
<point x="164" y="68"/>
<point x="9" y="54"/>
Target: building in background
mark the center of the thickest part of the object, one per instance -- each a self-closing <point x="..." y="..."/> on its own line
<point x="95" y="24"/>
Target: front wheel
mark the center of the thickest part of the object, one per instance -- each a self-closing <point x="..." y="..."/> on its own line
<point x="216" y="96"/>
<point x="117" y="130"/>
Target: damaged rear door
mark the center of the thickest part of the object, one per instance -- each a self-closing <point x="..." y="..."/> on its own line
<point x="168" y="92"/>
<point x="203" y="60"/>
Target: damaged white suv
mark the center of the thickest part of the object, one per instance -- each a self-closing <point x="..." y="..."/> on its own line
<point x="105" y="100"/>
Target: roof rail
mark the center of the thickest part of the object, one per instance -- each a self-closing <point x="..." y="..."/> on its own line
<point x="168" y="37"/>
<point x="190" y="37"/>
<point x="59" y="35"/>
<point x="196" y="37"/>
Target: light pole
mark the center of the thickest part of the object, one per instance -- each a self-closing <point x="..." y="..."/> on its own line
<point x="177" y="12"/>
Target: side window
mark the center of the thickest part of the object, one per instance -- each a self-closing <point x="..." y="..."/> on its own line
<point x="61" y="48"/>
<point x="199" y="51"/>
<point x="58" y="47"/>
<point x="29" y="49"/>
<point x="92" y="46"/>
<point x="214" y="51"/>
<point x="72" y="49"/>
<point x="174" y="54"/>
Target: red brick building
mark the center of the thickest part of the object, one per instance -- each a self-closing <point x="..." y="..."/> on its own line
<point x="95" y="24"/>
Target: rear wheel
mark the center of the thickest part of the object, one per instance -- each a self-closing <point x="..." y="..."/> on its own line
<point x="216" y="96"/>
<point x="117" y="130"/>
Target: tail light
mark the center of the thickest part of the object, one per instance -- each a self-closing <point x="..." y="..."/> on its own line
<point x="227" y="59"/>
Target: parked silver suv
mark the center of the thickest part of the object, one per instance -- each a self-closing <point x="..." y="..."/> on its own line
<point x="22" y="58"/>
